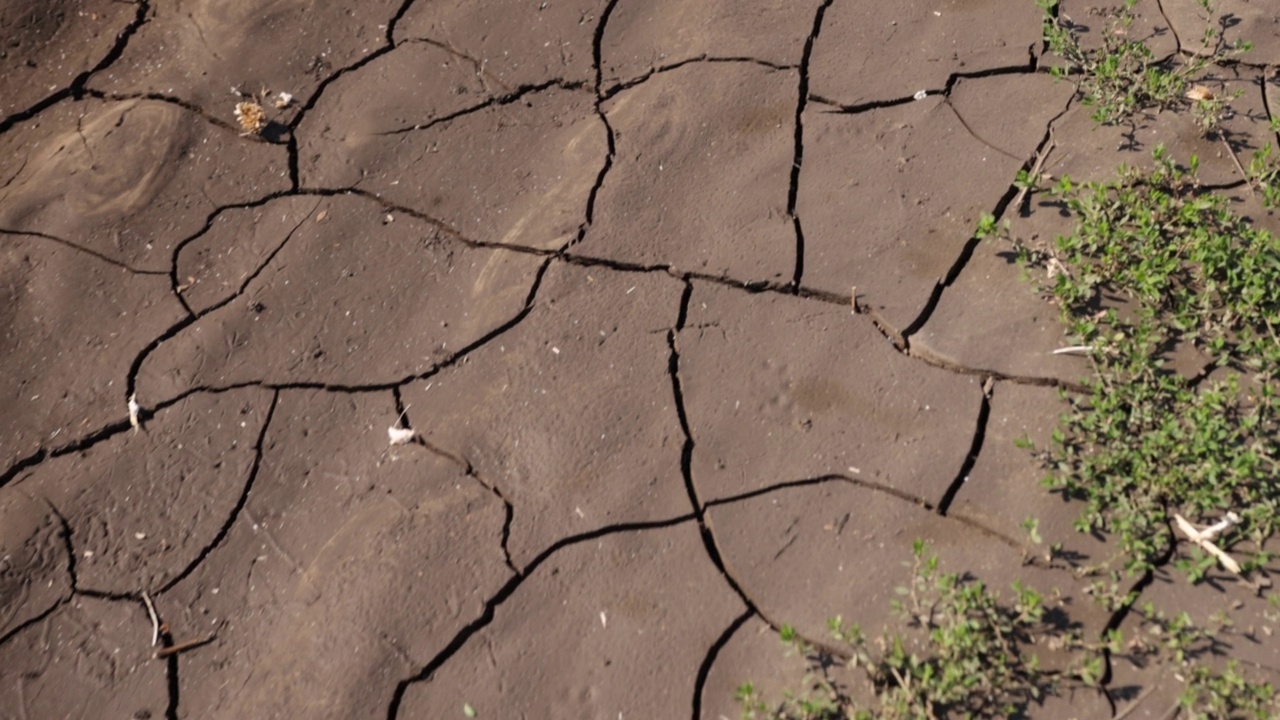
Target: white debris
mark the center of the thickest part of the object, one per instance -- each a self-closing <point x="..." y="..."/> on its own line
<point x="135" y="413"/>
<point x="921" y="94"/>
<point x="401" y="436"/>
<point x="1204" y="538"/>
<point x="1073" y="349"/>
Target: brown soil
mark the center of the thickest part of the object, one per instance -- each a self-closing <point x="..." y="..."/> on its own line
<point x="601" y="257"/>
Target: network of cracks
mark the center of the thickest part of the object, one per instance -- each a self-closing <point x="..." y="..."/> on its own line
<point x="680" y="307"/>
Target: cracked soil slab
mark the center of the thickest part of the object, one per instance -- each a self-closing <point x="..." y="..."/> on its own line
<point x="992" y="318"/>
<point x="208" y="51"/>
<point x="806" y="554"/>
<point x="59" y="307"/>
<point x="612" y="454"/>
<point x="125" y="180"/>
<point x="84" y="660"/>
<point x="643" y="36"/>
<point x="542" y="357"/>
<point x="516" y="172"/>
<point x="343" y="550"/>
<point x="1003" y="488"/>
<point x="35" y="573"/>
<point x="904" y="209"/>
<point x="345" y="135"/>
<point x="576" y="638"/>
<point x="143" y="506"/>
<point x="47" y="45"/>
<point x="778" y="389"/>
<point x="701" y="186"/>
<point x="512" y="43"/>
<point x="877" y="52"/>
<point x="352" y="299"/>
<point x="1085" y="151"/>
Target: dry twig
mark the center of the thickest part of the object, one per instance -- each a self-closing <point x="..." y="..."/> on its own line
<point x="1204" y="538"/>
<point x="165" y="652"/>
<point x="155" y="619"/>
<point x="1035" y="172"/>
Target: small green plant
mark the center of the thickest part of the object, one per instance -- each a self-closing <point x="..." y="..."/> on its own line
<point x="964" y="653"/>
<point x="1211" y="695"/>
<point x="1156" y="265"/>
<point x="1264" y="175"/>
<point x="1123" y="76"/>
<point x="1032" y="526"/>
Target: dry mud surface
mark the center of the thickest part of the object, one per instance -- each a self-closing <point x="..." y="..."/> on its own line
<point x="600" y="256"/>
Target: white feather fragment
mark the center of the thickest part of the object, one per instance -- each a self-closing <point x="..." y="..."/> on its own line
<point x="135" y="413"/>
<point x="401" y="436"/>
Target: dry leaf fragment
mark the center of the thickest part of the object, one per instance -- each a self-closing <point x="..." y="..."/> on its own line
<point x="1199" y="92"/>
<point x="283" y="100"/>
<point x="251" y="116"/>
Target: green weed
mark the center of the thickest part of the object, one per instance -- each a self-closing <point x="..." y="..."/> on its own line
<point x="1211" y="695"/>
<point x="965" y="653"/>
<point x="1263" y="174"/>
<point x="1123" y="76"/>
<point x="1156" y="266"/>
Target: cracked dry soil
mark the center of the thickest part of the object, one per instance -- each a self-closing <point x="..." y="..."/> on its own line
<point x="599" y="255"/>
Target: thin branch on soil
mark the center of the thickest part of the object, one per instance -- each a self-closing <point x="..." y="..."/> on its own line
<point x="1235" y="159"/>
<point x="1035" y="170"/>
<point x="1204" y="538"/>
<point x="1073" y="349"/>
<point x="155" y="619"/>
<point x="183" y="647"/>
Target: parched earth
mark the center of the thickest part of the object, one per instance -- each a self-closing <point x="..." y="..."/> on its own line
<point x="680" y="301"/>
